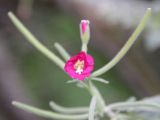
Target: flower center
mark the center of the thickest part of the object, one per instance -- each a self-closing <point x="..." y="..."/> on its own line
<point x="78" y="66"/>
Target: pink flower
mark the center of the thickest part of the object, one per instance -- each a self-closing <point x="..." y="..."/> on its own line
<point x="79" y="66"/>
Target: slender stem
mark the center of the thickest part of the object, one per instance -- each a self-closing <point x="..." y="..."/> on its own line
<point x="62" y="51"/>
<point x="95" y="92"/>
<point x="68" y="110"/>
<point x="34" y="41"/>
<point x="126" y="47"/>
<point x="92" y="108"/>
<point x="84" y="47"/>
<point x="48" y="114"/>
<point x="125" y="105"/>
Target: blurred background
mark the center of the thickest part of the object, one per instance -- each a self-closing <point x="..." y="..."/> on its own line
<point x="28" y="76"/>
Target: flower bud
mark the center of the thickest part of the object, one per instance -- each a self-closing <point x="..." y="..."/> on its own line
<point x="85" y="31"/>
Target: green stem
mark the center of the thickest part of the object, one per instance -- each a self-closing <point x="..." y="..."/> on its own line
<point x="126" y="105"/>
<point x="34" y="41"/>
<point x="95" y="92"/>
<point x="68" y="110"/>
<point x="48" y="114"/>
<point x="84" y="47"/>
<point x="126" y="47"/>
<point x="62" y="51"/>
<point x="92" y="108"/>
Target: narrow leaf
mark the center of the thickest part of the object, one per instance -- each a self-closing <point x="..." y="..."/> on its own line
<point x="72" y="81"/>
<point x="100" y="80"/>
<point x="126" y="47"/>
<point x="33" y="40"/>
<point x="48" y="114"/>
<point x="62" y="51"/>
<point x="68" y="110"/>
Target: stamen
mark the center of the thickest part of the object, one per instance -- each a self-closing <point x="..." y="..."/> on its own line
<point x="79" y="71"/>
<point x="79" y="65"/>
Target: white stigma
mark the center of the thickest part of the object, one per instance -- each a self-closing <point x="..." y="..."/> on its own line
<point x="79" y="71"/>
<point x="79" y="65"/>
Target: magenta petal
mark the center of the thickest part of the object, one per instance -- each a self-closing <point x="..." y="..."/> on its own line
<point x="87" y="68"/>
<point x="90" y="60"/>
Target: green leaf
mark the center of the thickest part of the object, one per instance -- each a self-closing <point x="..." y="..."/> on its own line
<point x="126" y="47"/>
<point x="33" y="40"/>
<point x="68" y="110"/>
<point x="46" y="113"/>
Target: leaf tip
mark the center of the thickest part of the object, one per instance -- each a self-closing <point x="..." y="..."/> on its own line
<point x="14" y="103"/>
<point x="50" y="103"/>
<point x="10" y="13"/>
<point x="149" y="10"/>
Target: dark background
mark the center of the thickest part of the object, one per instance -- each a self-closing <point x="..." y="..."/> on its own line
<point x="28" y="76"/>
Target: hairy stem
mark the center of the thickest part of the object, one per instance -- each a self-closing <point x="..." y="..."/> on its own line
<point x="68" y="110"/>
<point x="92" y="108"/>
<point x="32" y="39"/>
<point x="126" y="47"/>
<point x="84" y="47"/>
<point x="127" y="105"/>
<point x="62" y="51"/>
<point x="95" y="92"/>
<point x="48" y="114"/>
